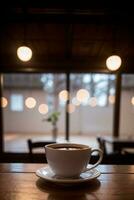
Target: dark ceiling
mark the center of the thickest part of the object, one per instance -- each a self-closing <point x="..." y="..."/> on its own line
<point x="64" y="37"/>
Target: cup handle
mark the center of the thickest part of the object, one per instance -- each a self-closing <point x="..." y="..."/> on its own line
<point x="98" y="162"/>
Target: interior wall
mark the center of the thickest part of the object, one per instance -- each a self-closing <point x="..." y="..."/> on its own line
<point x="29" y="120"/>
<point x="85" y="119"/>
<point x="92" y="120"/>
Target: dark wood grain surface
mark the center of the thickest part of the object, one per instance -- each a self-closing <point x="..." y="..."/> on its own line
<point x="21" y="167"/>
<point x="19" y="182"/>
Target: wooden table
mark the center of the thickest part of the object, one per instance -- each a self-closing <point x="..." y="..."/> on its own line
<point x="19" y="182"/>
<point x="118" y="143"/>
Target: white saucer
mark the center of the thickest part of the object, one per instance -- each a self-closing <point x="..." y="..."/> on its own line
<point x="48" y="175"/>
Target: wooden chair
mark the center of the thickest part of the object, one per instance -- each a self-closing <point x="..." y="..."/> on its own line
<point x="102" y="145"/>
<point x="32" y="145"/>
<point x="112" y="157"/>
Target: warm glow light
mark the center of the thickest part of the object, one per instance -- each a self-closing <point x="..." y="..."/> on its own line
<point x="70" y="108"/>
<point x="4" y="102"/>
<point x="113" y="62"/>
<point x="24" y="53"/>
<point x="43" y="108"/>
<point x="30" y="102"/>
<point x="63" y="95"/>
<point x="132" y="101"/>
<point x="82" y="95"/>
<point x="111" y="99"/>
<point x="93" y="102"/>
<point x="75" y="101"/>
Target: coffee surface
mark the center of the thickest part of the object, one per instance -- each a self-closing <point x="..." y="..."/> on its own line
<point x="68" y="148"/>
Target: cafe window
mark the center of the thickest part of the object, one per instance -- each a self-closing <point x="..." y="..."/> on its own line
<point x="37" y="97"/>
<point x="92" y="110"/>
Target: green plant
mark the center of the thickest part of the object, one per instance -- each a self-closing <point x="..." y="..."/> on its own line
<point x="53" y="118"/>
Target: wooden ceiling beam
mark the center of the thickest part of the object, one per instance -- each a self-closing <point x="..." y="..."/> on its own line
<point x="81" y="65"/>
<point x="64" y="16"/>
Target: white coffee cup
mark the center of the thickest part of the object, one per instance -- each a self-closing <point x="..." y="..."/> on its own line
<point x="70" y="159"/>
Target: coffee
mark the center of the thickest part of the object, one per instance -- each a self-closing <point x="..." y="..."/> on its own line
<point x="68" y="148"/>
<point x="69" y="159"/>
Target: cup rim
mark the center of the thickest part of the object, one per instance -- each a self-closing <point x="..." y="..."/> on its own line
<point x="76" y="145"/>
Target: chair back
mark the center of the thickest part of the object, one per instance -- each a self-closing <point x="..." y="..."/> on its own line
<point x="102" y="145"/>
<point x="36" y="145"/>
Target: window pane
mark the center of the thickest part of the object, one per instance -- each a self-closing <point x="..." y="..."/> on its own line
<point x="16" y="102"/>
<point x="94" y="114"/>
<point x="127" y="105"/>
<point x="37" y="97"/>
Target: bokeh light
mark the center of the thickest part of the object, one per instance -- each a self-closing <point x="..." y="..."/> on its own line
<point x="64" y="95"/>
<point x="113" y="62"/>
<point x="70" y="108"/>
<point x="30" y="102"/>
<point x="4" y="102"/>
<point x="24" y="53"/>
<point x="111" y="99"/>
<point x="82" y="95"/>
<point x="43" y="109"/>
